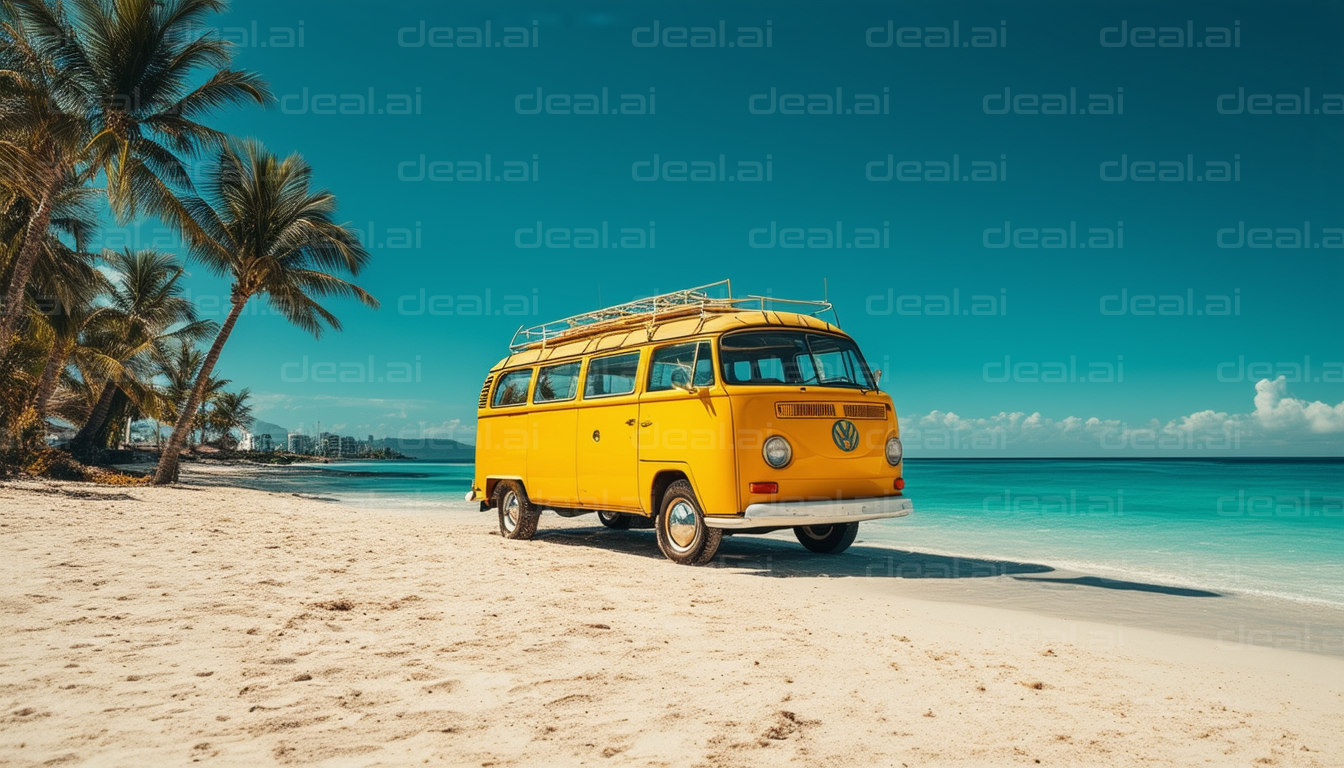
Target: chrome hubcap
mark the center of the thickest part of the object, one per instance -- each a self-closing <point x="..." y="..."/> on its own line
<point x="681" y="528"/>
<point x="511" y="507"/>
<point x="817" y="531"/>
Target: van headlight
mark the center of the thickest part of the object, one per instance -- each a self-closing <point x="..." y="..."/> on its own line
<point x="894" y="451"/>
<point x="777" y="452"/>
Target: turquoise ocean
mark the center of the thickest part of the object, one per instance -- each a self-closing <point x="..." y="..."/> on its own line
<point x="1261" y="526"/>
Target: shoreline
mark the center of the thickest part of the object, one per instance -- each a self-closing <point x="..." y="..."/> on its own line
<point x="161" y="625"/>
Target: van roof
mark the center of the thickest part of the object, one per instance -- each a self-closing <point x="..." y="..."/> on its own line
<point x="647" y="330"/>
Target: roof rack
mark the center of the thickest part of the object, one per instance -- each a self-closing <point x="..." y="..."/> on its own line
<point x="685" y="303"/>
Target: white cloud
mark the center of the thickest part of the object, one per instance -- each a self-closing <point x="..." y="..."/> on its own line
<point x="1279" y="424"/>
<point x="1276" y="411"/>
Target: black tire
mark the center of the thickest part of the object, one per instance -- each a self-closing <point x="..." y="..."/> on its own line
<point x="682" y="534"/>
<point x="517" y="517"/>
<point x="614" y="520"/>
<point x="827" y="539"/>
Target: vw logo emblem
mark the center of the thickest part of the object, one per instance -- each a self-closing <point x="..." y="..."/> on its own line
<point x="845" y="435"/>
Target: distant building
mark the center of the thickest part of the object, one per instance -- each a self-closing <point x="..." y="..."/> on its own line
<point x="329" y="444"/>
<point x="299" y="443"/>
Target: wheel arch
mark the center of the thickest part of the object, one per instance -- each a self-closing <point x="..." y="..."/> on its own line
<point x="493" y="480"/>
<point x="661" y="480"/>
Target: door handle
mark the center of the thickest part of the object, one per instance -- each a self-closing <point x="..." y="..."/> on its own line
<point x="646" y="423"/>
<point x="629" y="422"/>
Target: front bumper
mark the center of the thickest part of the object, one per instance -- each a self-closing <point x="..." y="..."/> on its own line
<point x="790" y="514"/>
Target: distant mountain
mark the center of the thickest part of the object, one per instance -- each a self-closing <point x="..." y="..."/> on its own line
<point x="277" y="432"/>
<point x="429" y="449"/>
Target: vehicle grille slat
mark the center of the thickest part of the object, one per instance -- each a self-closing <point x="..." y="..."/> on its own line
<point x="805" y="410"/>
<point x="485" y="391"/>
<point x="865" y="411"/>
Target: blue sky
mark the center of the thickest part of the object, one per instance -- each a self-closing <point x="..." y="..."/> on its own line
<point x="1133" y="362"/>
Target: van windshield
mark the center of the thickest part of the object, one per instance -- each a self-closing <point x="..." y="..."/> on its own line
<point x="792" y="357"/>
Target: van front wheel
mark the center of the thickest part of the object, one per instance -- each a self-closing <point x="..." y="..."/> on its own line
<point x="682" y="534"/>
<point x="827" y="539"/>
<point x="517" y="517"/>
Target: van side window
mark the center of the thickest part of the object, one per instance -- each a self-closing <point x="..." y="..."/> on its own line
<point x="671" y="366"/>
<point x="613" y="375"/>
<point x="512" y="388"/>
<point x="556" y="383"/>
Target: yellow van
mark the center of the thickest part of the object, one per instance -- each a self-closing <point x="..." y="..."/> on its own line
<point x="699" y="416"/>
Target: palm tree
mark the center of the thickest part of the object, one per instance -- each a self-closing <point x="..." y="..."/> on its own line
<point x="145" y="314"/>
<point x="272" y="235"/>
<point x="178" y="369"/>
<point x="74" y="288"/>
<point x="229" y="411"/>
<point x="107" y="89"/>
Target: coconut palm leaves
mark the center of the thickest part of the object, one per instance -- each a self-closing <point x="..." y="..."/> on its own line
<point x="264" y="227"/>
<point x="144" y="317"/>
<point x="107" y="87"/>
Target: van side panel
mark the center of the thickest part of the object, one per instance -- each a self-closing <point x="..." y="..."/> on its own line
<point x="501" y="445"/>
<point x="551" y="467"/>
<point x="693" y="434"/>
<point x="606" y="456"/>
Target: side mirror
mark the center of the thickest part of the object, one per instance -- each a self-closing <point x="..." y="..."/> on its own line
<point x="684" y="386"/>
<point x="877" y="377"/>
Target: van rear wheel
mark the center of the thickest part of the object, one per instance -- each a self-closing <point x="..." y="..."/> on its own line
<point x="517" y="517"/>
<point x="614" y="520"/>
<point x="682" y="534"/>
<point x="827" y="539"/>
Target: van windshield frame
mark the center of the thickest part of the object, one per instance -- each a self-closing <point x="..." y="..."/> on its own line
<point x="788" y="357"/>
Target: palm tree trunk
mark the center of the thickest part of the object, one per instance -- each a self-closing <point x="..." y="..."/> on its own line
<point x="60" y="352"/>
<point x="168" y="461"/>
<point x="82" y="443"/>
<point x="34" y="237"/>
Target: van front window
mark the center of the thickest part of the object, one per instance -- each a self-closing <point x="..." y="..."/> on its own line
<point x="792" y="357"/>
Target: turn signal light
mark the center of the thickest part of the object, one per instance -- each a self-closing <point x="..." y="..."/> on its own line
<point x="900" y="484"/>
<point x="765" y="487"/>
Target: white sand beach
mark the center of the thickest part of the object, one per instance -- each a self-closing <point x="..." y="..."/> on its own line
<point x="164" y="626"/>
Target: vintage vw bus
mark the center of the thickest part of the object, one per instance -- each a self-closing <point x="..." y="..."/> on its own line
<point x="699" y="416"/>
